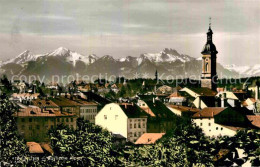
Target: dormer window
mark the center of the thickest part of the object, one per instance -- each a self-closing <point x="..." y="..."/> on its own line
<point x="105" y="117"/>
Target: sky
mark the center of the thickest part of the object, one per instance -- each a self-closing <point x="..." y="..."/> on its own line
<point x="131" y="27"/>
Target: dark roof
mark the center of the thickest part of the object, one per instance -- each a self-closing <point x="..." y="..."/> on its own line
<point x="204" y="91"/>
<point x="208" y="100"/>
<point x="62" y="102"/>
<point x="160" y="110"/>
<point x="133" y="111"/>
<point x="209" y="48"/>
<point x="97" y="98"/>
<point x="208" y="112"/>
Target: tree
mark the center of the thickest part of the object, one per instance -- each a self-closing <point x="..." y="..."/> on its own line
<point x="12" y="147"/>
<point x="90" y="145"/>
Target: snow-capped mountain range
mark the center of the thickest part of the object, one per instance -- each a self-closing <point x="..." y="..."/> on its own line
<point x="63" y="61"/>
<point x="70" y="56"/>
<point x="245" y="70"/>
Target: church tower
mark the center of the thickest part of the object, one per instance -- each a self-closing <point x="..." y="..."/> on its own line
<point x="209" y="63"/>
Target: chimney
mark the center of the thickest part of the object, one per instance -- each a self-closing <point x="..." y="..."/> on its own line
<point x="223" y="98"/>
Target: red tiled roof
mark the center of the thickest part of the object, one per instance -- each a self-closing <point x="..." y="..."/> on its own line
<point x="184" y="108"/>
<point x="208" y="112"/>
<point x="220" y="89"/>
<point x="175" y="94"/>
<point x="44" y="103"/>
<point x="38" y="112"/>
<point x="204" y="91"/>
<point x="255" y="120"/>
<point x="34" y="148"/>
<point x="149" y="138"/>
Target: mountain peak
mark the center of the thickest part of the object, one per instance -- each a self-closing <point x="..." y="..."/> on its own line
<point x="61" y="51"/>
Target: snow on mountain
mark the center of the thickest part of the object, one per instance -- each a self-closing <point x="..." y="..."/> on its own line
<point x="70" y="56"/>
<point x="23" y="58"/>
<point x="245" y="70"/>
<point x="61" y="51"/>
<point x="167" y="55"/>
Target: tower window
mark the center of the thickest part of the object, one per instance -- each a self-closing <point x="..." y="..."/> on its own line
<point x="207" y="67"/>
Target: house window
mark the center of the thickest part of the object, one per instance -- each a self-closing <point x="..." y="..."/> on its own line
<point x="139" y="133"/>
<point x="134" y="125"/>
<point x="105" y="117"/>
<point x="131" y="126"/>
<point x="139" y="125"/>
<point x="200" y="124"/>
<point x="207" y="67"/>
<point x="71" y="119"/>
<point x="30" y="119"/>
<point x="143" y="125"/>
<point x="116" y="116"/>
<point x="135" y="134"/>
<point x="221" y="128"/>
<point x="67" y="119"/>
<point x="216" y="128"/>
<point x="22" y="119"/>
<point x="209" y="124"/>
<point x="58" y="119"/>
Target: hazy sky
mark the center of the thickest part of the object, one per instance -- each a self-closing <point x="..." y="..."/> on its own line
<point x="131" y="27"/>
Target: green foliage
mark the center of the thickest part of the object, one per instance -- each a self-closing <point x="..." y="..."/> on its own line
<point x="90" y="144"/>
<point x="12" y="147"/>
<point x="248" y="140"/>
<point x="184" y="146"/>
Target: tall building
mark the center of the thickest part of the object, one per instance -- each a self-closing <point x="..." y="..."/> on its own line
<point x="209" y="63"/>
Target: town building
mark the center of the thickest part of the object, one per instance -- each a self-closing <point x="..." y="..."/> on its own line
<point x="200" y="97"/>
<point x="221" y="121"/>
<point x="126" y="119"/>
<point x="33" y="122"/>
<point x="87" y="110"/>
<point x="161" y="119"/>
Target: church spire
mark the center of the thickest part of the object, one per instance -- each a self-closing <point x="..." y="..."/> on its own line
<point x="209" y="33"/>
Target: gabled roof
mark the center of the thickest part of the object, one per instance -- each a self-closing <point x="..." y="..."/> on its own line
<point x="204" y="91"/>
<point x="208" y="112"/>
<point x="175" y="94"/>
<point x="208" y="100"/>
<point x="133" y="111"/>
<point x="184" y="108"/>
<point x="160" y="110"/>
<point x="149" y="138"/>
